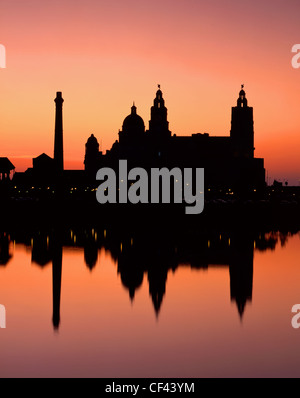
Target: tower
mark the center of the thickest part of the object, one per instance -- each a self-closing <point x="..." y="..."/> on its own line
<point x="159" y="125"/>
<point x="242" y="132"/>
<point x="58" y="139"/>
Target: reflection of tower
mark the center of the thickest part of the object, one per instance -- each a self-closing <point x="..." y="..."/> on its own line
<point x="242" y="132"/>
<point x="90" y="254"/>
<point x="241" y="272"/>
<point x="157" y="278"/>
<point x="58" y="140"/>
<point x="56" y="280"/>
<point x="159" y="125"/>
<point x="131" y="269"/>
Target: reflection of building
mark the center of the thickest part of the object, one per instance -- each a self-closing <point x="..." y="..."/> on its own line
<point x="90" y="253"/>
<point x="156" y="256"/>
<point x="153" y="254"/>
<point x="5" y="256"/>
<point x="47" y="248"/>
<point x="41" y="251"/>
<point x="228" y="161"/>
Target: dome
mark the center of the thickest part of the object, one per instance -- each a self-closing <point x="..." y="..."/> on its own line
<point x="133" y="122"/>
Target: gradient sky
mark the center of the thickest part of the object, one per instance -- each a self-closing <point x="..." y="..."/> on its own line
<point x="103" y="55"/>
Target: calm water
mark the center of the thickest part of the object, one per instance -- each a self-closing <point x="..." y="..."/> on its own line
<point x="96" y="305"/>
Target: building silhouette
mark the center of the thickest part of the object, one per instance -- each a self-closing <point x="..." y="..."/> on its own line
<point x="228" y="161"/>
<point x="6" y="169"/>
<point x="92" y="155"/>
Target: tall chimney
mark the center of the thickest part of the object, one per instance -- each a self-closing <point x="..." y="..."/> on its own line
<point x="58" y="139"/>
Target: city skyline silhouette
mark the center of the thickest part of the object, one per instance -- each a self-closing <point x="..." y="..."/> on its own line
<point x="228" y="162"/>
<point x="231" y="170"/>
<point x="118" y="258"/>
<point x="202" y="147"/>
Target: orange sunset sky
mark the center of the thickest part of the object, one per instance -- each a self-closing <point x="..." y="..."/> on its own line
<point x="103" y="55"/>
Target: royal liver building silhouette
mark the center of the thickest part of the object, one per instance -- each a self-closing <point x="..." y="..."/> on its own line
<point x="229" y="162"/>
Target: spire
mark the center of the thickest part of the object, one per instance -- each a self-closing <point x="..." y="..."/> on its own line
<point x="242" y="100"/>
<point x="159" y="95"/>
<point x="242" y="127"/>
<point x="242" y="92"/>
<point x="159" y="125"/>
<point x="133" y="109"/>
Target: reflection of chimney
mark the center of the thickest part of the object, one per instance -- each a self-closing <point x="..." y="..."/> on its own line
<point x="58" y="140"/>
<point x="56" y="283"/>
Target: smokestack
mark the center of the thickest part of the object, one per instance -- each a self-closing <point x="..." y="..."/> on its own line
<point x="58" y="139"/>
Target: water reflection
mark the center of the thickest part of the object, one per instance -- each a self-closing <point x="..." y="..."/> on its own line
<point x="146" y="253"/>
<point x="4" y="249"/>
<point x="56" y="278"/>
